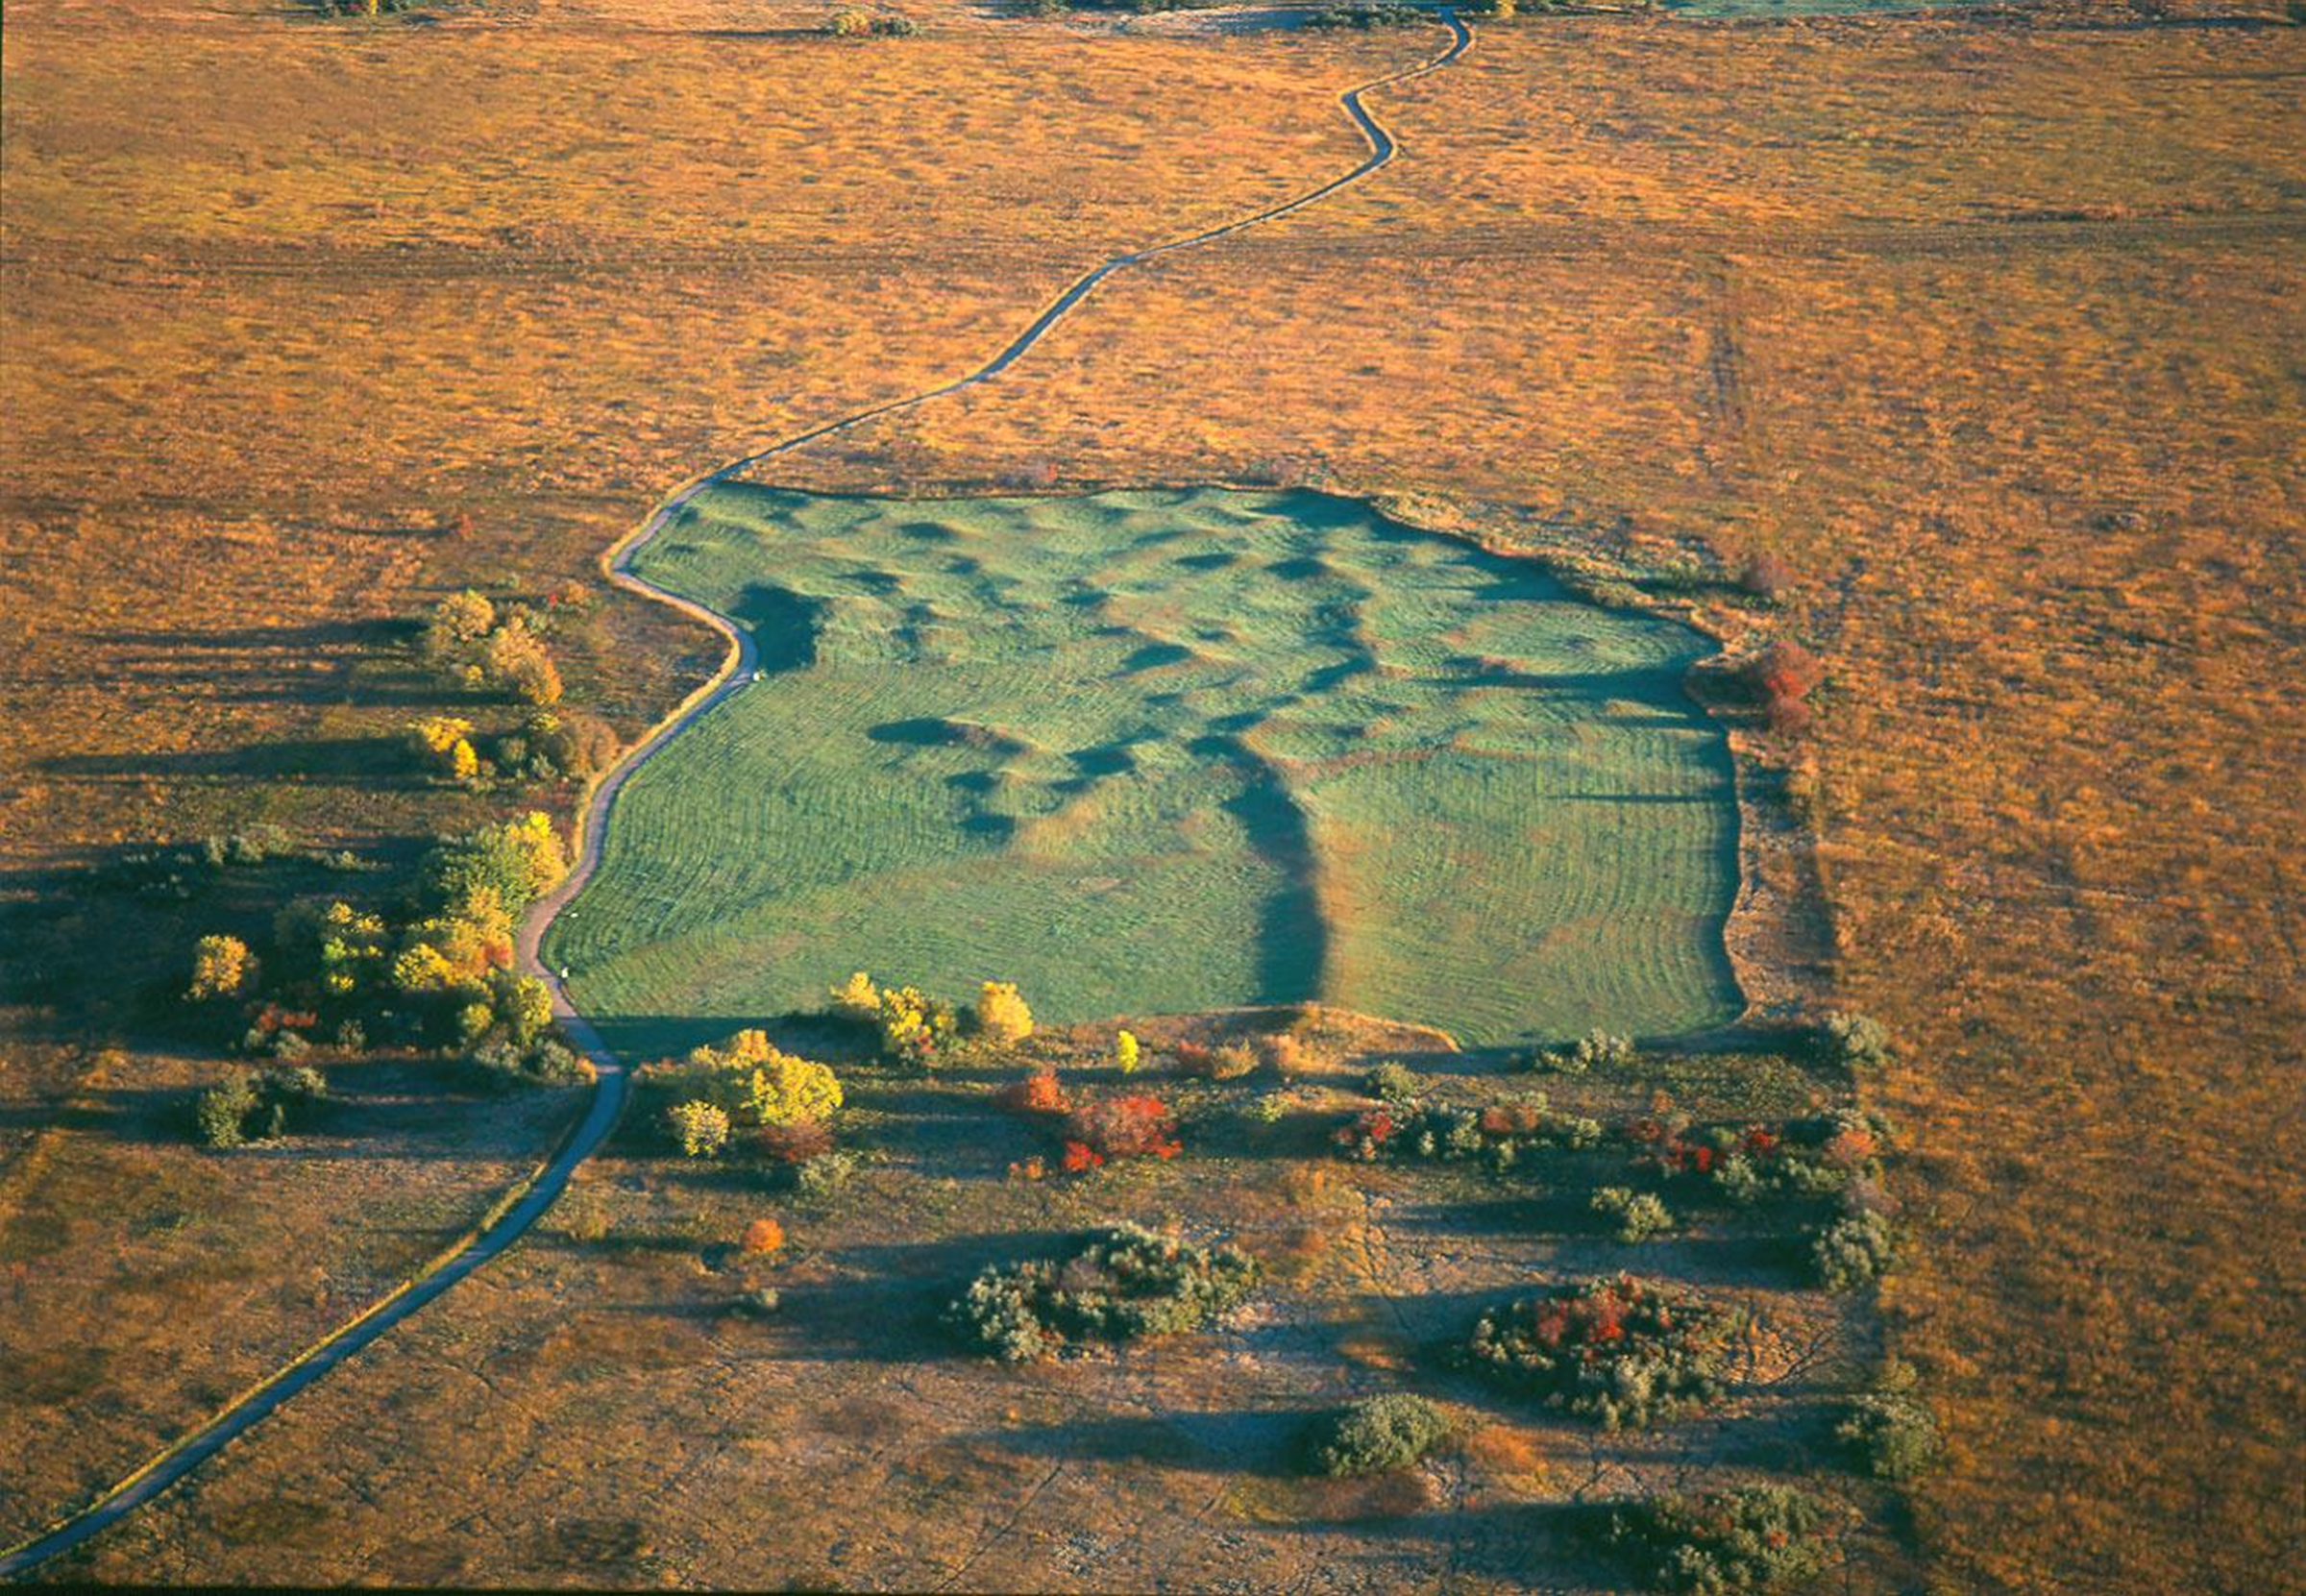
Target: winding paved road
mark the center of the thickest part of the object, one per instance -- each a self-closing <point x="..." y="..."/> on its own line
<point x="527" y="1200"/>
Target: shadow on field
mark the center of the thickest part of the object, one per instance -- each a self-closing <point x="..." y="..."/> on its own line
<point x="1216" y="1441"/>
<point x="887" y="1304"/>
<point x="362" y="762"/>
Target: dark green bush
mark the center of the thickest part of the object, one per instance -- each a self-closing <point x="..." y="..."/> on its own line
<point x="1640" y="1215"/>
<point x="1375" y="1434"/>
<point x="819" y="1180"/>
<point x="506" y="1066"/>
<point x="1891" y="1434"/>
<point x="1854" y="1251"/>
<point x="1392" y="1083"/>
<point x="1758" y="1537"/>
<point x="1628" y="1353"/>
<point x="221" y="1113"/>
<point x="1594" y="1051"/>
<point x="1854" y="1041"/>
<point x="248" y="1107"/>
<point x="1128" y="1281"/>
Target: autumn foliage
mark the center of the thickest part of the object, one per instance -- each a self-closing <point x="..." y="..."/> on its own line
<point x="1782" y="677"/>
<point x="1139" y="1127"/>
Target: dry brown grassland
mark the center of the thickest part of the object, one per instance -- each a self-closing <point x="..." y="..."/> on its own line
<point x="1987" y="322"/>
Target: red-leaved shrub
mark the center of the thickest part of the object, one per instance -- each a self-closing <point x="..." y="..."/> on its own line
<point x="1040" y="1094"/>
<point x="795" y="1143"/>
<point x="1122" y="1127"/>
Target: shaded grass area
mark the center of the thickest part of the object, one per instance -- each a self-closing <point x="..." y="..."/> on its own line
<point x="1160" y="752"/>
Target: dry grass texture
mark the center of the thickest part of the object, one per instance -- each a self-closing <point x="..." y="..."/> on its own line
<point x="1984" y="323"/>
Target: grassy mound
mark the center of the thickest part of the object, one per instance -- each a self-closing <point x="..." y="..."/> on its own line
<point x="1161" y="752"/>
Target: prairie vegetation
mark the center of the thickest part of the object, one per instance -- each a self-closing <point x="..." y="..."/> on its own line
<point x="1189" y="1338"/>
<point x="1978" y="327"/>
<point x="251" y="430"/>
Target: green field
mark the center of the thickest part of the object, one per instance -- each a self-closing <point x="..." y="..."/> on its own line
<point x="1159" y="753"/>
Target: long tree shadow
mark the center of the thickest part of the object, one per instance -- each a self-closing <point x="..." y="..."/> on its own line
<point x="1291" y="934"/>
<point x="368" y="763"/>
<point x="888" y="1302"/>
<point x="1214" y="1441"/>
<point x="785" y="626"/>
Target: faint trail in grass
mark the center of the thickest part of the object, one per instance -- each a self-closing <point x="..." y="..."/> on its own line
<point x="527" y="1202"/>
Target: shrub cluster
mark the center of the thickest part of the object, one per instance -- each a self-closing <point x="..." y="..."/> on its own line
<point x="251" y="1107"/>
<point x="473" y="645"/>
<point x="1854" y="1251"/>
<point x="1040" y="1092"/>
<point x="1001" y="1018"/>
<point x="1139" y="1125"/>
<point x="1391" y="1082"/>
<point x="178" y="873"/>
<point x="1626" y="1352"/>
<point x="1854" y="1042"/>
<point x="921" y="1031"/>
<point x="548" y="746"/>
<point x="857" y="24"/>
<point x="1594" y="1051"/>
<point x="1782" y="677"/>
<point x="1640" y="1215"/>
<point x="1496" y="1136"/>
<point x="698" y="1128"/>
<point x="1758" y="1537"/>
<point x="221" y="966"/>
<point x="1835" y="1153"/>
<point x="1890" y="1430"/>
<point x="1125" y="1283"/>
<point x="1229" y="1063"/>
<point x="1375" y="1436"/>
<point x="503" y="1064"/>
<point x="1369" y="14"/>
<point x="747" y="1080"/>
<point x="440" y="977"/>
<point x="819" y="1180"/>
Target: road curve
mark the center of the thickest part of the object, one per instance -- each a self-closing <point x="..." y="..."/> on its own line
<point x="527" y="1200"/>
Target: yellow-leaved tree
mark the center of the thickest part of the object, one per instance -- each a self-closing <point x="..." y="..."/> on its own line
<point x="221" y="966"/>
<point x="1002" y="1016"/>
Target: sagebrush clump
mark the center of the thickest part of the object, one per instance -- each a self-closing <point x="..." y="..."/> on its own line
<point x="1756" y="1537"/>
<point x="1640" y="1215"/>
<point x="1127" y="1281"/>
<point x="1854" y="1041"/>
<point x="1594" y="1051"/>
<point x="1375" y="1436"/>
<point x="247" y="1106"/>
<point x="1890" y="1430"/>
<point x="1854" y="1251"/>
<point x="1626" y="1352"/>
<point x="1391" y="1082"/>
